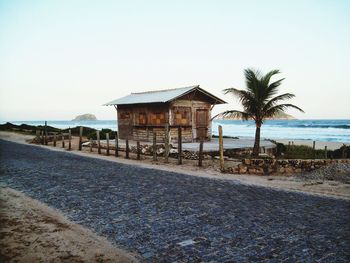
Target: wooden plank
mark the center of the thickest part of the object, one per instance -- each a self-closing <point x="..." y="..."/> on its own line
<point x="221" y="148"/>
<point x="54" y="140"/>
<point x="107" y="138"/>
<point x="200" y="154"/>
<point x="127" y="147"/>
<point x="80" y="137"/>
<point x="179" y="145"/>
<point x="154" y="146"/>
<point x="70" y="140"/>
<point x="98" y="142"/>
<point x="45" y="138"/>
<point x="116" y="151"/>
<point x="138" y="150"/>
<point x="166" y="143"/>
<point x="62" y="140"/>
<point x="91" y="144"/>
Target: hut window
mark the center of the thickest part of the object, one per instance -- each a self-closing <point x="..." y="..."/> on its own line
<point x="125" y="115"/>
<point x="157" y="118"/>
<point x="182" y="116"/>
<point x="142" y="118"/>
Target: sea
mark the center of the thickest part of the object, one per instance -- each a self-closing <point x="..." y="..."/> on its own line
<point x="331" y="130"/>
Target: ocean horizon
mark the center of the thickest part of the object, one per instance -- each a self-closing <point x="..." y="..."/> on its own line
<point x="329" y="130"/>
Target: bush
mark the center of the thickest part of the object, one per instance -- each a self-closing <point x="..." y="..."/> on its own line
<point x="93" y="135"/>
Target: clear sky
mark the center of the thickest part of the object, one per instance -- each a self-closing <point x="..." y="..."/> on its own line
<point x="59" y="59"/>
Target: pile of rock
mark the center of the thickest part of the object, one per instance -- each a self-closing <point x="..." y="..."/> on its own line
<point x="274" y="166"/>
<point x="335" y="172"/>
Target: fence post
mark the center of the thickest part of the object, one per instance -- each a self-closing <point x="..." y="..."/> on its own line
<point x="116" y="152"/>
<point x="138" y="150"/>
<point x="221" y="149"/>
<point x="80" y="137"/>
<point x="54" y="140"/>
<point x="166" y="143"/>
<point x="91" y="144"/>
<point x="313" y="149"/>
<point x="200" y="157"/>
<point x="98" y="142"/>
<point x="343" y="153"/>
<point x="325" y="152"/>
<point x="127" y="147"/>
<point x="179" y="145"/>
<point x="62" y="140"/>
<point x="42" y="137"/>
<point x="107" y="138"/>
<point x="154" y="146"/>
<point x="69" y="140"/>
<point x="45" y="140"/>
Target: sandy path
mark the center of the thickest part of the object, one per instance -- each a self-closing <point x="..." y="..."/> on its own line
<point x="33" y="232"/>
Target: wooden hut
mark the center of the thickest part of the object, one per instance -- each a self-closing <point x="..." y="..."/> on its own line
<point x="141" y="114"/>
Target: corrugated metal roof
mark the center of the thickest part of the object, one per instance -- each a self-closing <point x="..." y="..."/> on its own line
<point x="158" y="96"/>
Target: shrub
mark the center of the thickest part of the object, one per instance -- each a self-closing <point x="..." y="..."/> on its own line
<point x="93" y="135"/>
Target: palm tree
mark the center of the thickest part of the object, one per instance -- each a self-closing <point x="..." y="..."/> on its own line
<point x="259" y="101"/>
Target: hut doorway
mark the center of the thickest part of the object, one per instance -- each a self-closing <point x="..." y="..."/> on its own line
<point x="202" y="123"/>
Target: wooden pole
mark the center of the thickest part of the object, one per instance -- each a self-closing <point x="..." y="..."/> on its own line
<point x="91" y="144"/>
<point x="69" y="140"/>
<point x="62" y="140"/>
<point x="80" y="137"/>
<point x="45" y="140"/>
<point x="42" y="137"/>
<point x="107" y="138"/>
<point x="127" y="147"/>
<point x="325" y="152"/>
<point x="138" y="149"/>
<point x="179" y="145"/>
<point x="54" y="140"/>
<point x="154" y="146"/>
<point x="98" y="142"/>
<point x="116" y="152"/>
<point x="200" y="157"/>
<point x="221" y="149"/>
<point x="166" y="143"/>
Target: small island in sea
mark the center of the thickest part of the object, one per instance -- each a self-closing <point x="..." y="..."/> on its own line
<point x="85" y="117"/>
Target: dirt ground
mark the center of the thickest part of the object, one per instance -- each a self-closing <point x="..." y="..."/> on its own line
<point x="32" y="232"/>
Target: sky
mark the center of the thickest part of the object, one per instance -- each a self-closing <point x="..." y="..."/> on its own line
<point x="59" y="59"/>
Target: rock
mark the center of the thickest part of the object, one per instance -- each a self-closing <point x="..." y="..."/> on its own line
<point x="85" y="117"/>
<point x="247" y="161"/>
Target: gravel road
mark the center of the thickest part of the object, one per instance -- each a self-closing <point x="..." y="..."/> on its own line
<point x="170" y="217"/>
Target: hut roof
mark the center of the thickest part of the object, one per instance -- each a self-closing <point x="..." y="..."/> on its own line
<point x="162" y="96"/>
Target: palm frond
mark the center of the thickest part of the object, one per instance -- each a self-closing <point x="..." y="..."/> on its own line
<point x="233" y="114"/>
<point x="272" y="88"/>
<point x="278" y="108"/>
<point x="273" y="101"/>
<point x="266" y="79"/>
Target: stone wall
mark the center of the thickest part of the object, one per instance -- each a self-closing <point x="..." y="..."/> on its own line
<point x="283" y="167"/>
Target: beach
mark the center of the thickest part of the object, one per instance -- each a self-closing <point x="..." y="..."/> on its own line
<point x="33" y="232"/>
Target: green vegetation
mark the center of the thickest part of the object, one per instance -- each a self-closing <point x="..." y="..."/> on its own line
<point x="306" y="152"/>
<point x="259" y="101"/>
<point x="103" y="132"/>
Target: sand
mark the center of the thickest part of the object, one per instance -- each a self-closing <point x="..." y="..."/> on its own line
<point x="33" y="232"/>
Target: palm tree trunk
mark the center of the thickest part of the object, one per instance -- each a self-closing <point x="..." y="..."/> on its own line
<point x="257" y="141"/>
